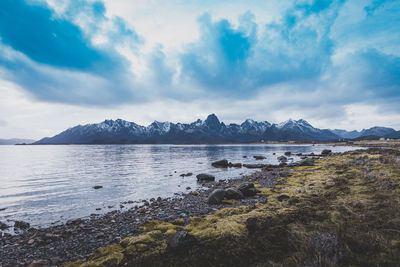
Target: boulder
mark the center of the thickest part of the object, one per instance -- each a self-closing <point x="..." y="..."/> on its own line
<point x="216" y="196"/>
<point x="205" y="177"/>
<point x="21" y="225"/>
<point x="306" y="162"/>
<point x="288" y="153"/>
<point x="220" y="163"/>
<point x="3" y="226"/>
<point x="247" y="189"/>
<point x="235" y="165"/>
<point x="326" y="152"/>
<point x="186" y="174"/>
<point x="181" y="240"/>
<point x="259" y="157"/>
<point x="97" y="187"/>
<point x="282" y="159"/>
<point x="233" y="193"/>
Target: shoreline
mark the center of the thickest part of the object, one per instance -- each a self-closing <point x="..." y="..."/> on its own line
<point x="78" y="239"/>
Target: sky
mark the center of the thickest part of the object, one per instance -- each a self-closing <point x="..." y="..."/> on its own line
<point x="334" y="63"/>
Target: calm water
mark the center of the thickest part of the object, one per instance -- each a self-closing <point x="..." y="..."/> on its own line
<point x="47" y="184"/>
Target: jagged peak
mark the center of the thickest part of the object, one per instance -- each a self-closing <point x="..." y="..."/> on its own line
<point x="212" y="120"/>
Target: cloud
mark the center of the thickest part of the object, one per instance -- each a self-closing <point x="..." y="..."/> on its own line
<point x="243" y="60"/>
<point x="32" y="30"/>
<point x="55" y="60"/>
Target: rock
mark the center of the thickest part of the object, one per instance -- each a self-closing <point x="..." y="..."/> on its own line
<point x="237" y="165"/>
<point x="181" y="240"/>
<point x="205" y="177"/>
<point x="216" y="196"/>
<point x="306" y="162"/>
<point x="233" y="193"/>
<point x="282" y="197"/>
<point x="259" y="157"/>
<point x="186" y="174"/>
<point x="21" y="225"/>
<point x="244" y="157"/>
<point x="188" y="188"/>
<point x="254" y="166"/>
<point x="247" y="189"/>
<point x="3" y="226"/>
<point x="288" y="153"/>
<point x="220" y="163"/>
<point x="326" y="152"/>
<point x="97" y="186"/>
<point x="36" y="263"/>
<point x="282" y="159"/>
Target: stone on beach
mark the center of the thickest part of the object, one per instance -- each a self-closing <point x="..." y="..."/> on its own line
<point x="180" y="240"/>
<point x="205" y="177"/>
<point x="306" y="162"/>
<point x="282" y="159"/>
<point x="220" y="163"/>
<point x="3" y="226"/>
<point x="247" y="189"/>
<point x="216" y="196"/>
<point x="233" y="193"/>
<point x="326" y="152"/>
<point x="21" y="225"/>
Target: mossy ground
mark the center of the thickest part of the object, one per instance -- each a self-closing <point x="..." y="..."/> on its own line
<point x="345" y="210"/>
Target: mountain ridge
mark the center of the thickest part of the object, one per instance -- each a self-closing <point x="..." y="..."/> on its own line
<point x="211" y="130"/>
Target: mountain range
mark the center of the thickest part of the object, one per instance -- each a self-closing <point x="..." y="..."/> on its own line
<point x="210" y="130"/>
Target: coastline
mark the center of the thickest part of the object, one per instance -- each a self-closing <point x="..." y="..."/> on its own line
<point x="342" y="211"/>
<point x="80" y="240"/>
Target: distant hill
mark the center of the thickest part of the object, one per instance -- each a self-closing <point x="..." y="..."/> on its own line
<point x="366" y="134"/>
<point x="15" y="141"/>
<point x="210" y="130"/>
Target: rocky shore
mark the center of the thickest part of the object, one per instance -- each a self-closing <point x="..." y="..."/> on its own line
<point x="340" y="209"/>
<point x="78" y="239"/>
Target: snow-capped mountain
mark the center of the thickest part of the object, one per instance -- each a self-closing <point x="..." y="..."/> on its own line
<point x="297" y="130"/>
<point x="210" y="130"/>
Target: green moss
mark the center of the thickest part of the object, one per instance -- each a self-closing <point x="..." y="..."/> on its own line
<point x="162" y="226"/>
<point x="180" y="222"/>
